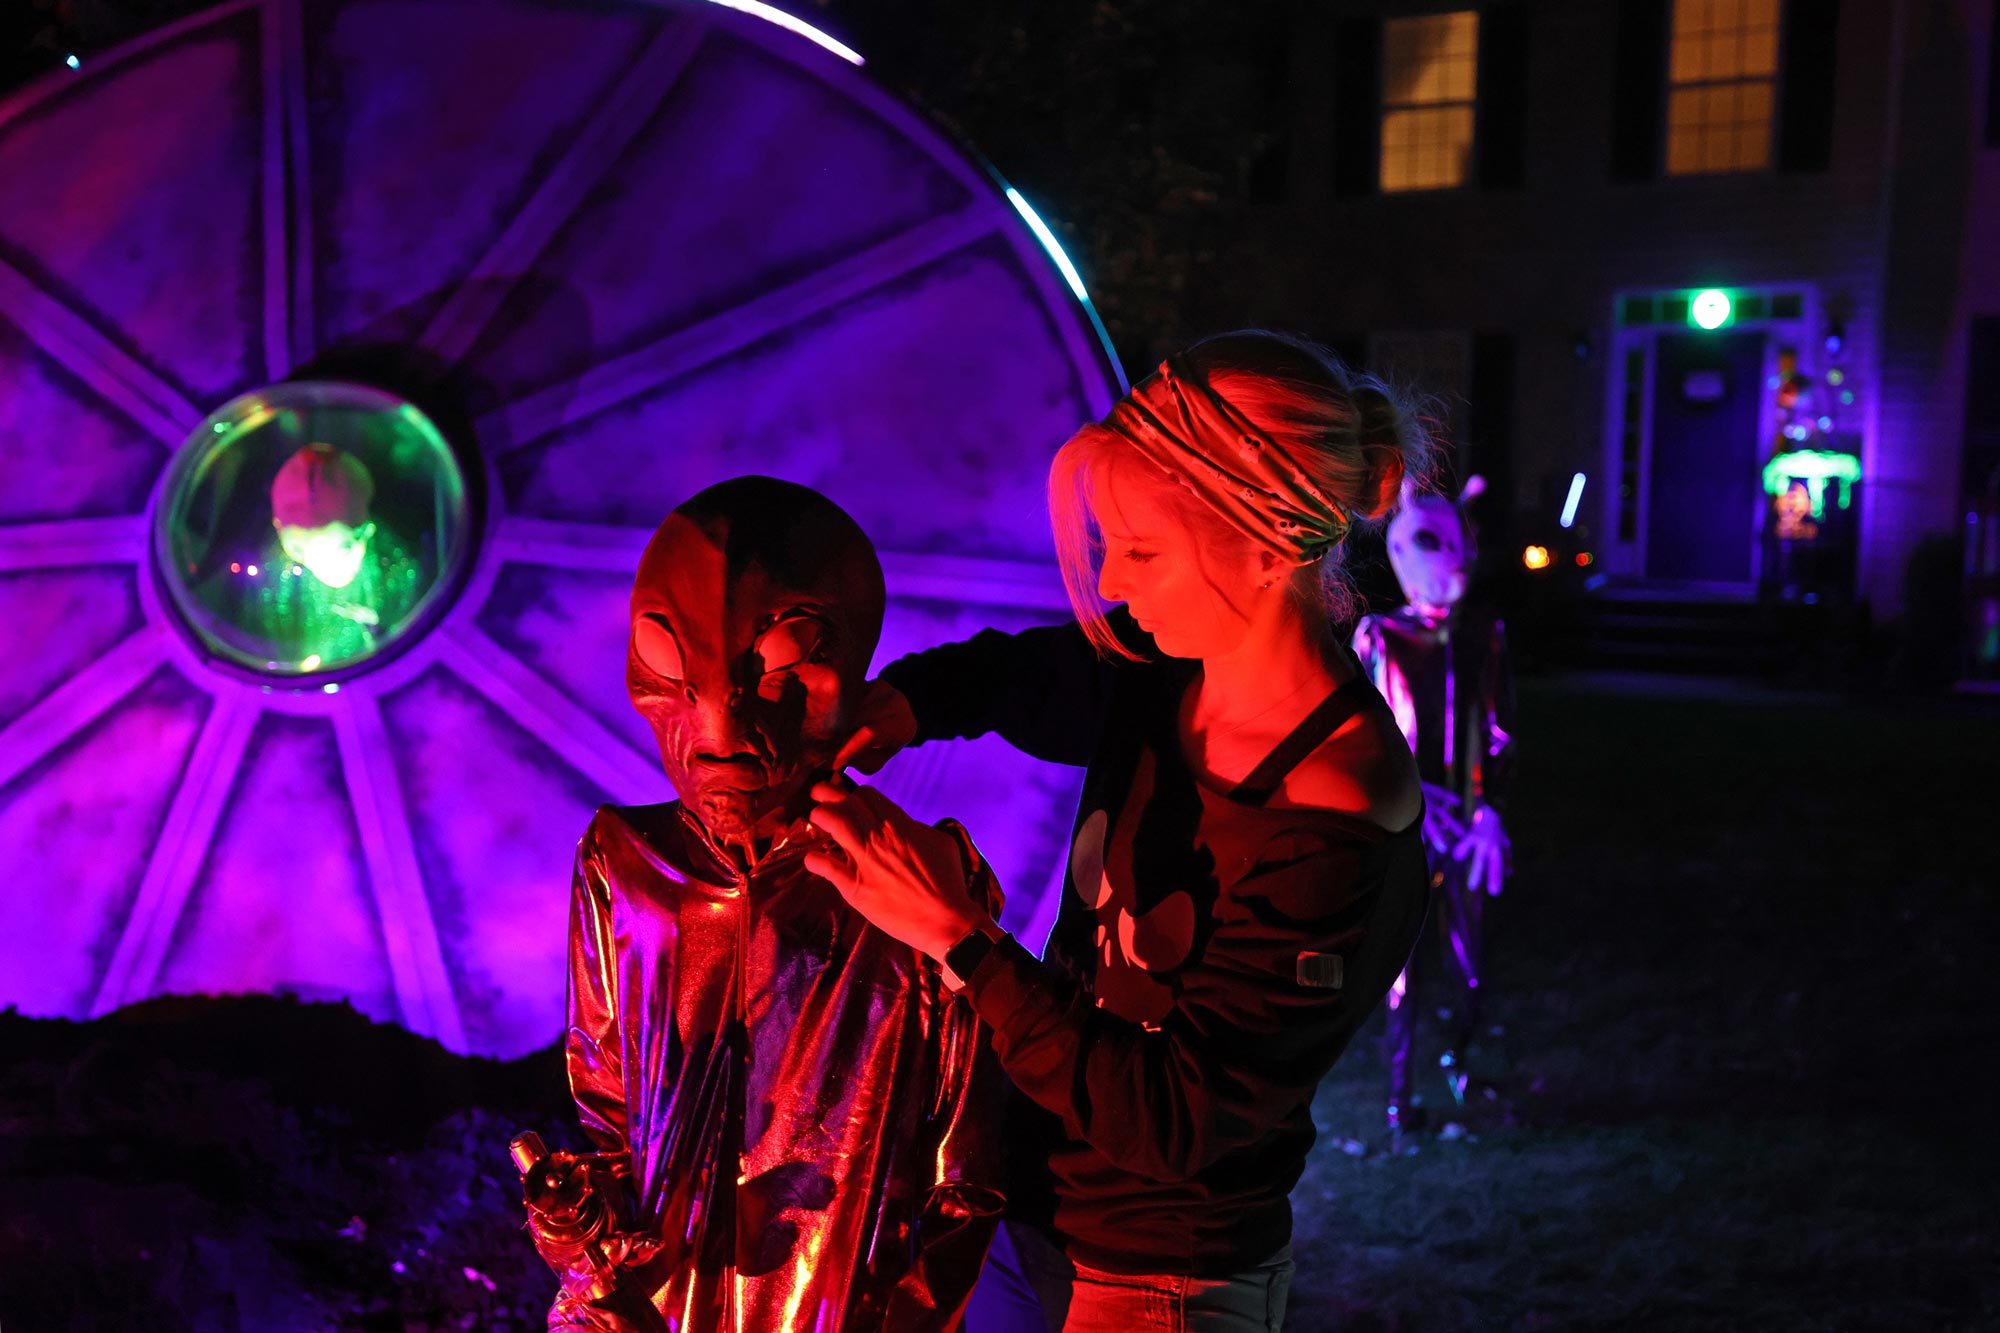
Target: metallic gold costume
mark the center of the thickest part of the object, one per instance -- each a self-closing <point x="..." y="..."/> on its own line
<point x="803" y="1105"/>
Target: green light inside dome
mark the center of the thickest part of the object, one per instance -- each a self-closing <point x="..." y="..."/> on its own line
<point x="310" y="528"/>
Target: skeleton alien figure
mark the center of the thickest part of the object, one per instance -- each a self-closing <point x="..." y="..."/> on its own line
<point x="1443" y="666"/>
<point x="792" y="1107"/>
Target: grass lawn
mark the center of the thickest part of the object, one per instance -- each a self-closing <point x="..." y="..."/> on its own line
<point x="1745" y="981"/>
<point x="1745" y="1074"/>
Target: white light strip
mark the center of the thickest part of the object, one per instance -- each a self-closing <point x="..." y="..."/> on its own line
<point x="790" y="24"/>
<point x="1049" y="242"/>
<point x="1575" y="496"/>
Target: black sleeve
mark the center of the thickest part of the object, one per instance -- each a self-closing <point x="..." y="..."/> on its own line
<point x="1283" y="986"/>
<point x="1044" y="690"/>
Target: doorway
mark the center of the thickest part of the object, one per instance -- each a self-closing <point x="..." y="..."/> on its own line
<point x="1703" y="502"/>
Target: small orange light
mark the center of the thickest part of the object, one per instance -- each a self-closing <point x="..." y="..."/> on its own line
<point x="1536" y="557"/>
<point x="1583" y="557"/>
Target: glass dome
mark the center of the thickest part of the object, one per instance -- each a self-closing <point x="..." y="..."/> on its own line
<point x="309" y="527"/>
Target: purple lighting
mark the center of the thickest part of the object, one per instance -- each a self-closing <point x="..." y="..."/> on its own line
<point x="869" y="316"/>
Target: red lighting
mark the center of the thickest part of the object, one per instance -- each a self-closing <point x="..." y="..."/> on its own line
<point x="1583" y="557"/>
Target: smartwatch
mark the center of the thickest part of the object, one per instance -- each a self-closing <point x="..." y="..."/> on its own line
<point x="964" y="957"/>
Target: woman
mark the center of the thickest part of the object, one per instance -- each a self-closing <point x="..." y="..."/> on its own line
<point x="1247" y="871"/>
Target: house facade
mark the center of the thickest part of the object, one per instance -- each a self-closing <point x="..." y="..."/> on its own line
<point x="1733" y="263"/>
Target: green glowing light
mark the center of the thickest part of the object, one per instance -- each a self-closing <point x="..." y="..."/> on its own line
<point x="1710" y="309"/>
<point x="1814" y="467"/>
<point x="307" y="528"/>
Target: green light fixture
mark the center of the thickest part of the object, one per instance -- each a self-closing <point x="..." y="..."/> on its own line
<point x="1711" y="309"/>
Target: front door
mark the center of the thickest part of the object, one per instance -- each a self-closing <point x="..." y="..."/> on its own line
<point x="1702" y="508"/>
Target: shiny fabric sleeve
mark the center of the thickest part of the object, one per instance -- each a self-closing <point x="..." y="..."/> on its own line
<point x="1257" y="1023"/>
<point x="592" y="1047"/>
<point x="1496" y="778"/>
<point x="1368" y="647"/>
<point x="1044" y="690"/>
<point x="964" y="1203"/>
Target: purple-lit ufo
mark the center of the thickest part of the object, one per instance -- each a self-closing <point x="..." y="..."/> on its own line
<point x="349" y="351"/>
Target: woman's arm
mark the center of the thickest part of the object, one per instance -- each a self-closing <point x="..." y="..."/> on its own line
<point x="1044" y="690"/>
<point x="1302" y="953"/>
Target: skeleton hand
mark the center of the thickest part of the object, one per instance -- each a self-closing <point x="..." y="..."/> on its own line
<point x="1443" y="830"/>
<point x="1487" y="846"/>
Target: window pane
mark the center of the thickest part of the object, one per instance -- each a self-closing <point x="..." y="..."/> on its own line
<point x="1426" y="148"/>
<point x="1431" y="59"/>
<point x="1723" y="39"/>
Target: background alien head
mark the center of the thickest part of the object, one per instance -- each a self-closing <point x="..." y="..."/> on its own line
<point x="1431" y="548"/>
<point x="319" y="505"/>
<point x="755" y="612"/>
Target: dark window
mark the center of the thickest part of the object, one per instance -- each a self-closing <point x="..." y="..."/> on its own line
<point x="1638" y="73"/>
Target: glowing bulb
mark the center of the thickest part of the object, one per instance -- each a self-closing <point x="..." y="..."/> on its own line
<point x="311" y="663"/>
<point x="1583" y="557"/>
<point x="1710" y="309"/>
<point x="251" y="571"/>
<point x="1536" y="557"/>
<point x="73" y="62"/>
<point x="331" y="687"/>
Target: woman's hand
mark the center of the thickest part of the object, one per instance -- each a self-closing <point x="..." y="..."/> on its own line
<point x="883" y="725"/>
<point x="907" y="878"/>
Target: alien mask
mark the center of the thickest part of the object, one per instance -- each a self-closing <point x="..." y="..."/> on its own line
<point x="1430" y="548"/>
<point x="755" y="612"/>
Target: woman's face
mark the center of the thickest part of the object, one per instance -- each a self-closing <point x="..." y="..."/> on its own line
<point x="1190" y="583"/>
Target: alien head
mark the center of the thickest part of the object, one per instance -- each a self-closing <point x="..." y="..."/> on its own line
<point x="319" y="505"/>
<point x="754" y="614"/>
<point x="1430" y="548"/>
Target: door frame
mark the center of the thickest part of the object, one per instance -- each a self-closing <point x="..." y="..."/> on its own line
<point x="1635" y="344"/>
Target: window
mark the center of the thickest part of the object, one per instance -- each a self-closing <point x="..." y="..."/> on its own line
<point x="1721" y="86"/>
<point x="1429" y="71"/>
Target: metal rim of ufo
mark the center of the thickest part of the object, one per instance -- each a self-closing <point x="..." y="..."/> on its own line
<point x="166" y="589"/>
<point x="393" y="878"/>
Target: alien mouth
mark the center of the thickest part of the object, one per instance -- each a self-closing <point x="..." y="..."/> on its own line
<point x="730" y="775"/>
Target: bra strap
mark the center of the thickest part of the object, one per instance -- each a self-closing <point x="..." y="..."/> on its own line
<point x="1265" y="779"/>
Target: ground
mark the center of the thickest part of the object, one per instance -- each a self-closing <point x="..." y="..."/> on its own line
<point x="1743" y="1079"/>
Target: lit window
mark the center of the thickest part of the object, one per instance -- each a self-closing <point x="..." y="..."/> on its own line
<point x="1429" y="70"/>
<point x="1721" y="86"/>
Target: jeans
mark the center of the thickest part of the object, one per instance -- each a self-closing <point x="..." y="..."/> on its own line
<point x="1028" y="1286"/>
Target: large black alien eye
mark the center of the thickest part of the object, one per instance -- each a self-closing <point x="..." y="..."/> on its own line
<point x="657" y="647"/>
<point x="1426" y="540"/>
<point x="790" y="642"/>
